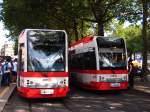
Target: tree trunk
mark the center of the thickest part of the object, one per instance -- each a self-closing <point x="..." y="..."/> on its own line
<point x="82" y="27"/>
<point x="144" y="36"/>
<point x="100" y="29"/>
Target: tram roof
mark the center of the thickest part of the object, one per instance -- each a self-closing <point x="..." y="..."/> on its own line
<point x="90" y="38"/>
<point x="83" y="40"/>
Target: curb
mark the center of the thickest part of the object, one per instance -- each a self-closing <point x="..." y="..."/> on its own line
<point x="5" y="95"/>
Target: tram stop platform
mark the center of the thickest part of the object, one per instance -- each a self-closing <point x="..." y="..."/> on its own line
<point x="5" y="93"/>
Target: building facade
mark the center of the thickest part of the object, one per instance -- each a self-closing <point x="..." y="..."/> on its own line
<point x="7" y="50"/>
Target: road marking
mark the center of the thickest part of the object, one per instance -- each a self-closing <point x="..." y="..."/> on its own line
<point x="4" y="92"/>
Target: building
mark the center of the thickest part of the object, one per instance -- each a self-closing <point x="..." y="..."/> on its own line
<point x="7" y="50"/>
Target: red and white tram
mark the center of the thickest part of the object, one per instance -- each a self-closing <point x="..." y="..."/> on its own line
<point x="42" y="63"/>
<point x="99" y="63"/>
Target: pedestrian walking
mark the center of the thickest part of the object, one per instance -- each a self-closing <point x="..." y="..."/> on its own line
<point x="14" y="70"/>
<point x="1" y="74"/>
<point x="131" y="72"/>
<point x="6" y="71"/>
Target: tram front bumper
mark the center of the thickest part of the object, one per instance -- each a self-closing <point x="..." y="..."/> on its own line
<point x="43" y="93"/>
<point x="108" y="86"/>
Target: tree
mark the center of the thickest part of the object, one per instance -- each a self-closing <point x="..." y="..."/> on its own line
<point x="131" y="33"/>
<point x="106" y="10"/>
<point x="75" y="16"/>
<point x="20" y="14"/>
<point x="138" y="11"/>
<point x="144" y="34"/>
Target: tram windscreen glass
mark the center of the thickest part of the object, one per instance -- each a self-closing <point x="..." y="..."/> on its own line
<point x="110" y="42"/>
<point x="112" y="54"/>
<point x="46" y="51"/>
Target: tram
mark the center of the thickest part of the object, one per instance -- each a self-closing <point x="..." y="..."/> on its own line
<point x="42" y="63"/>
<point x="99" y="63"/>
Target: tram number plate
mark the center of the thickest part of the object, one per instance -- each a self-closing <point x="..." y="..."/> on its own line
<point x="47" y="91"/>
<point x="115" y="84"/>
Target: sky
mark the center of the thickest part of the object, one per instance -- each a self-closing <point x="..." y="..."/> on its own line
<point x="3" y="33"/>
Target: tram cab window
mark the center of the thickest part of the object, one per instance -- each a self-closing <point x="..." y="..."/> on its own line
<point x="112" y="60"/>
<point x="46" y="51"/>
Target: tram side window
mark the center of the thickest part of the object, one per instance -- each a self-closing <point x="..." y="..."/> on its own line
<point x="84" y="61"/>
<point x="21" y="56"/>
<point x="77" y="61"/>
<point x="80" y="63"/>
<point x="72" y="62"/>
<point x="89" y="61"/>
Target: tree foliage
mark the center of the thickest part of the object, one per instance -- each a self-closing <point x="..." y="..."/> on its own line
<point x="131" y="33"/>
<point x="53" y="14"/>
<point x="76" y="16"/>
<point x="106" y="10"/>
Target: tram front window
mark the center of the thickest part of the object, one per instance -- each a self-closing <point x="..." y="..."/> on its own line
<point x="112" y="60"/>
<point x="46" y="51"/>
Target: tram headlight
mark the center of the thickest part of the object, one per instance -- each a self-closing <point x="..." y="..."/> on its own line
<point x="30" y="84"/>
<point x="62" y="83"/>
<point x="26" y="83"/>
<point x="22" y="82"/>
<point x="125" y="78"/>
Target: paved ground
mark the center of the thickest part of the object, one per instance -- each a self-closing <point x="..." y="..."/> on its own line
<point x="143" y="86"/>
<point x="136" y="100"/>
<point x="81" y="100"/>
<point x="5" y="93"/>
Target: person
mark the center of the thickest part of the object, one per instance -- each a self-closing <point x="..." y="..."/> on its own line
<point x="1" y="74"/>
<point x="130" y="59"/>
<point x="14" y="70"/>
<point x="131" y="72"/>
<point x="6" y="70"/>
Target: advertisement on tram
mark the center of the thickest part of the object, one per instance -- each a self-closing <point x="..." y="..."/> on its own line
<point x="42" y="63"/>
